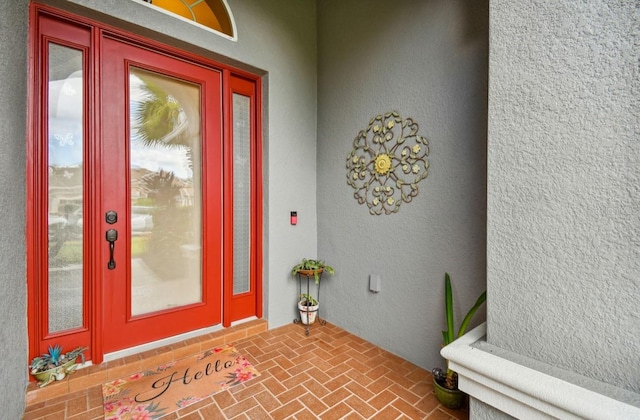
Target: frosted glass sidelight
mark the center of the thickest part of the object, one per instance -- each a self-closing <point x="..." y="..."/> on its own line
<point x="241" y="194"/>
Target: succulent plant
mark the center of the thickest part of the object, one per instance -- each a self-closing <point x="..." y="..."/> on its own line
<point x="54" y="358"/>
<point x="55" y="353"/>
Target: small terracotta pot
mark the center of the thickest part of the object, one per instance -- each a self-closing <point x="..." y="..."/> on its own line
<point x="310" y="273"/>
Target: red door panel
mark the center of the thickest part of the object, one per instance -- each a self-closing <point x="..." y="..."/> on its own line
<point x="167" y="256"/>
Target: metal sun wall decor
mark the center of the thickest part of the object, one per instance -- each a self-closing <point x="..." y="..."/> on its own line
<point x="387" y="162"/>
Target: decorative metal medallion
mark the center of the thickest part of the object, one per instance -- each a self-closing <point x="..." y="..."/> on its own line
<point x="387" y="162"/>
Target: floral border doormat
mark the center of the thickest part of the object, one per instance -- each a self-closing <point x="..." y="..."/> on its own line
<point x="151" y="394"/>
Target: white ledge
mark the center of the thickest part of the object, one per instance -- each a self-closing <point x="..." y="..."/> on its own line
<point x="527" y="393"/>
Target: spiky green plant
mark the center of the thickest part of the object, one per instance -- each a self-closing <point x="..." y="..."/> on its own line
<point x="449" y="334"/>
<point x="54" y="358"/>
<point x="55" y="353"/>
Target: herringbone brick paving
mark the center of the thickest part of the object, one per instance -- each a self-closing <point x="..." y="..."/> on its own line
<point x="330" y="374"/>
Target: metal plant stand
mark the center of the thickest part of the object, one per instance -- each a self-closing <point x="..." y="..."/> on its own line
<point x="309" y="275"/>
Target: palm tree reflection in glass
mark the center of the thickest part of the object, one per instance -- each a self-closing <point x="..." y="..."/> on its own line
<point x="166" y="136"/>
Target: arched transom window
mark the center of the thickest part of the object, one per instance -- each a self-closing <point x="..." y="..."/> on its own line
<point x="213" y="14"/>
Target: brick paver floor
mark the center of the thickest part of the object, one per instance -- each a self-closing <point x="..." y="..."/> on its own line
<point x="329" y="374"/>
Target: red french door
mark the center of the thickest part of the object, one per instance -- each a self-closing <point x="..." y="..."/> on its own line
<point x="166" y="203"/>
<point x="144" y="189"/>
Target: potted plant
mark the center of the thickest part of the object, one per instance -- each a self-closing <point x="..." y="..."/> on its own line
<point x="307" y="304"/>
<point x="309" y="267"/>
<point x="308" y="307"/>
<point x="55" y="365"/>
<point x="445" y="384"/>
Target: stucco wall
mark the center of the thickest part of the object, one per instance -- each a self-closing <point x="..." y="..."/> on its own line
<point x="277" y="39"/>
<point x="426" y="60"/>
<point x="481" y="411"/>
<point x="563" y="253"/>
<point x="13" y="98"/>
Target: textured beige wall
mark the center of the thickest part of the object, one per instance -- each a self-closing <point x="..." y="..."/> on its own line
<point x="427" y="60"/>
<point x="563" y="253"/>
<point x="13" y="98"/>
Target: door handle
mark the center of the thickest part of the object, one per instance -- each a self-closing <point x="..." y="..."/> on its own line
<point x="112" y="237"/>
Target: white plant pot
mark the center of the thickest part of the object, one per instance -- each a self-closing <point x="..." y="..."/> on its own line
<point x="308" y="313"/>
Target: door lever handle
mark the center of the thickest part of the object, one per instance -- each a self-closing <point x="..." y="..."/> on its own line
<point x="112" y="237"/>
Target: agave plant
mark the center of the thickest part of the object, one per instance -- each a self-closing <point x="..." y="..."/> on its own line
<point x="54" y="358"/>
<point x="450" y="379"/>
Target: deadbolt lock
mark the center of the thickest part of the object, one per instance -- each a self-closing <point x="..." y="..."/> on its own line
<point x="111" y="217"/>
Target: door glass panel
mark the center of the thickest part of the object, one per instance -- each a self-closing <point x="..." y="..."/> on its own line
<point x="65" y="188"/>
<point x="165" y="191"/>
<point x="241" y="194"/>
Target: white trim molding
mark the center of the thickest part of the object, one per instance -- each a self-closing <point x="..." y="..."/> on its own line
<point x="523" y="388"/>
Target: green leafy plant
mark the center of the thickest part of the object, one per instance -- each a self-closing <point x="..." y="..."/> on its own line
<point x="54" y="358"/>
<point x="308" y="300"/>
<point x="450" y="379"/>
<point x="315" y="267"/>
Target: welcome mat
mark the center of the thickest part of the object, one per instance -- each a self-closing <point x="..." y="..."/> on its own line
<point x="151" y="394"/>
